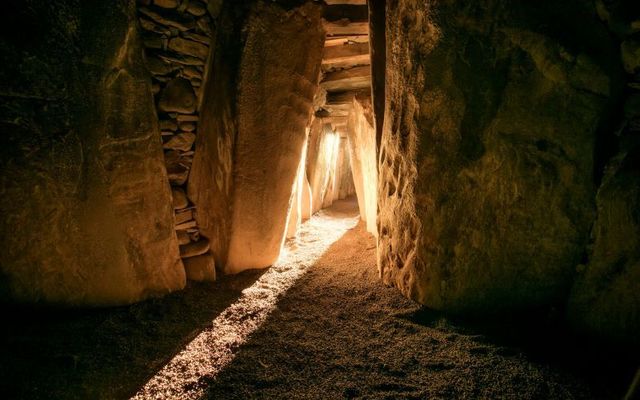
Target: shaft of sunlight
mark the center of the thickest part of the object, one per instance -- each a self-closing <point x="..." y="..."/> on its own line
<point x="185" y="376"/>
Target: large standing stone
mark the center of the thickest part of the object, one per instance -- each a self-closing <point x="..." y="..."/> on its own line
<point x="178" y="96"/>
<point x="211" y="178"/>
<point x="250" y="138"/>
<point x="320" y="162"/>
<point x="362" y="142"/>
<point x="605" y="299"/>
<point x="86" y="205"/>
<point x="630" y="50"/>
<point x="486" y="160"/>
<point x="276" y="89"/>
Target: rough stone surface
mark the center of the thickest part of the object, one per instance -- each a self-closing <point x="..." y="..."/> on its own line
<point x="295" y="209"/>
<point x="182" y="141"/>
<point x="343" y="185"/>
<point x="630" y="50"/>
<point x="306" y="207"/>
<point x="270" y="138"/>
<point x="194" y="249"/>
<point x="319" y="161"/>
<point x="183" y="237"/>
<point x="189" y="47"/>
<point x="362" y="146"/>
<point x="166" y="3"/>
<point x="179" y="198"/>
<point x="177" y="167"/>
<point x="210" y="184"/>
<point x="200" y="268"/>
<point x="486" y="160"/>
<point x="87" y="216"/>
<point x="178" y="96"/>
<point x="605" y="299"/>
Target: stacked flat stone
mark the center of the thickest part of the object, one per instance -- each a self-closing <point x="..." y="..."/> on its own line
<point x="176" y="35"/>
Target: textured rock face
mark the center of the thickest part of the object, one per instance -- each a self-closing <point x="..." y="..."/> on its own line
<point x="319" y="161"/>
<point x="343" y="183"/>
<point x="298" y="196"/>
<point x="605" y="299"/>
<point x="210" y="180"/>
<point x="176" y="36"/>
<point x="486" y="159"/>
<point x="275" y="93"/>
<point x="87" y="212"/>
<point x="362" y="146"/>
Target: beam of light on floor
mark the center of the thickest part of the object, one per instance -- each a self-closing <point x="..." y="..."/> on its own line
<point x="185" y="376"/>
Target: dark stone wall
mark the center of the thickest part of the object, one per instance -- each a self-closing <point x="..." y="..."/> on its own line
<point x="500" y="118"/>
<point x="487" y="152"/>
<point x="210" y="184"/>
<point x="86" y="206"/>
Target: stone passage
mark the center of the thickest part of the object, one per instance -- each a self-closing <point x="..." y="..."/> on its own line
<point x="176" y="36"/>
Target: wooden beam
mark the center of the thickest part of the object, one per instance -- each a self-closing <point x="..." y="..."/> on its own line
<point x="343" y="40"/>
<point x="345" y="51"/>
<point x="333" y="108"/>
<point x="341" y="110"/>
<point x="351" y="2"/>
<point x="338" y="122"/>
<point x="345" y="27"/>
<point x="347" y="79"/>
<point x="338" y="98"/>
<point x="350" y="12"/>
<point x="346" y="56"/>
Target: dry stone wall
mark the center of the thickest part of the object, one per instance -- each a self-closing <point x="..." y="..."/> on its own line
<point x="177" y="36"/>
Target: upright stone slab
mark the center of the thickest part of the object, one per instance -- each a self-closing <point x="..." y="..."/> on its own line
<point x="322" y="152"/>
<point x="278" y="79"/>
<point x="87" y="210"/>
<point x="210" y="185"/>
<point x="362" y="147"/>
<point x="605" y="300"/>
<point x="486" y="180"/>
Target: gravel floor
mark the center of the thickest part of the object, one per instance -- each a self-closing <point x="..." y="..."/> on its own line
<point x="336" y="333"/>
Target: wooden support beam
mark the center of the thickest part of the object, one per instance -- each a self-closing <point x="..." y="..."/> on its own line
<point x="351" y="12"/>
<point x="346" y="56"/>
<point x="351" y="2"/>
<point x="345" y="27"/>
<point x="347" y="50"/>
<point x="339" y="98"/>
<point x="347" y="79"/>
<point x="343" y="40"/>
<point x="336" y="109"/>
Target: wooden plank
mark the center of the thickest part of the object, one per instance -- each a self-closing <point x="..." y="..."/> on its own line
<point x="343" y="40"/>
<point x="347" y="62"/>
<point x="347" y="97"/>
<point x="351" y="2"/>
<point x="347" y="79"/>
<point x="351" y="12"/>
<point x="336" y="109"/>
<point x="346" y="56"/>
<point x="344" y="51"/>
<point x="346" y="28"/>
